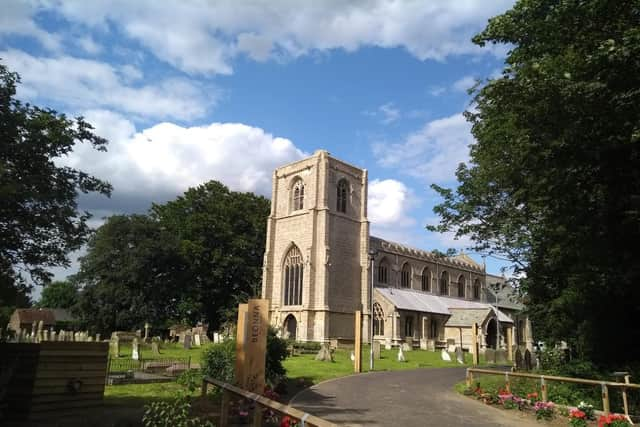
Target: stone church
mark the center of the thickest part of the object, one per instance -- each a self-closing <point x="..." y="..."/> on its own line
<point x="318" y="264"/>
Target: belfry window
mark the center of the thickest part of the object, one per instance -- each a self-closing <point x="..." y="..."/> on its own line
<point x="342" y="196"/>
<point x="461" y="286"/>
<point x="378" y="320"/>
<point x="383" y="272"/>
<point x="426" y="280"/>
<point x="444" y="283"/>
<point x="293" y="274"/>
<point x="405" y="278"/>
<point x="476" y="289"/>
<point x="298" y="195"/>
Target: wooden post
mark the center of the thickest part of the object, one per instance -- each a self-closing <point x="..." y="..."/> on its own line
<point x="205" y="385"/>
<point x="257" y="415"/>
<point x="256" y="345"/>
<point x="510" y="344"/>
<point x="468" y="378"/>
<point x="627" y="380"/>
<point x="241" y="335"/>
<point x="357" y="367"/>
<point x="507" y="382"/>
<point x="605" y="399"/>
<point x="543" y="388"/>
<point x="474" y="344"/>
<point x="224" y="408"/>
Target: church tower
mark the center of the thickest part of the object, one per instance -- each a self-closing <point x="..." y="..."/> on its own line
<point x="315" y="263"/>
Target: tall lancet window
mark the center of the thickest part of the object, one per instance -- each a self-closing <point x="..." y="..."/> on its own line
<point x="298" y="195"/>
<point x="342" y="196"/>
<point x="293" y="274"/>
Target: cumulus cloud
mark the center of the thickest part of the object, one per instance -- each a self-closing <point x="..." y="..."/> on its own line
<point x="204" y="37"/>
<point x="389" y="201"/>
<point x="464" y="84"/>
<point x="82" y="83"/>
<point x="160" y="162"/>
<point x="433" y="153"/>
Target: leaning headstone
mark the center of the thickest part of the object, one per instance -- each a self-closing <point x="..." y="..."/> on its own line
<point x="387" y="343"/>
<point x="324" y="355"/>
<point x="401" y="357"/>
<point x="519" y="360"/>
<point x="527" y="360"/>
<point x="445" y="355"/>
<point x="459" y="355"/>
<point x="135" y="349"/>
<point x="114" y="346"/>
<point x="196" y="340"/>
<point x="490" y="355"/>
<point x="187" y="342"/>
<point x="376" y="349"/>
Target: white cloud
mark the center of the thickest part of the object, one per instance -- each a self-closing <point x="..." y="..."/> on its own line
<point x="389" y="112"/>
<point x="89" y="45"/>
<point x="464" y="84"/>
<point x="82" y="83"/>
<point x="166" y="159"/>
<point x="432" y="153"/>
<point x="437" y="90"/>
<point x="17" y="18"/>
<point x="389" y="201"/>
<point x="204" y="37"/>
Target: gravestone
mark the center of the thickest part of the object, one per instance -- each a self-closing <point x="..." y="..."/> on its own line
<point x="40" y="327"/>
<point x="519" y="361"/>
<point x="216" y="337"/>
<point x="424" y="345"/>
<point x="405" y="347"/>
<point x="324" y="355"/>
<point x="135" y="349"/>
<point x="53" y="335"/>
<point x="501" y="357"/>
<point x="376" y="349"/>
<point x="409" y="341"/>
<point x="187" y="342"/>
<point x="387" y="343"/>
<point x="97" y="337"/>
<point x="401" y="357"/>
<point x="445" y="355"/>
<point x="527" y="360"/>
<point x="490" y="355"/>
<point x="114" y="346"/>
<point x="196" y="340"/>
<point x="459" y="355"/>
<point x="147" y="326"/>
<point x="155" y="347"/>
<point x="451" y="345"/>
<point x="45" y="335"/>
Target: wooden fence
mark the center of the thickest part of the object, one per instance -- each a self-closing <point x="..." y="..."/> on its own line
<point x="261" y="403"/>
<point x="51" y="379"/>
<point x="604" y="385"/>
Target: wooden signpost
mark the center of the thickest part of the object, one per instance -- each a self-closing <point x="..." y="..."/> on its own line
<point x="251" y="345"/>
<point x="357" y="367"/>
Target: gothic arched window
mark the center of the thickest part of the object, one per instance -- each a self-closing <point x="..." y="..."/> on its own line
<point x="444" y="283"/>
<point x="343" y="187"/>
<point x="378" y="320"/>
<point x="476" y="289"/>
<point x="405" y="278"/>
<point x="298" y="195"/>
<point x="293" y="274"/>
<point x="426" y="280"/>
<point x="383" y="272"/>
<point x="462" y="283"/>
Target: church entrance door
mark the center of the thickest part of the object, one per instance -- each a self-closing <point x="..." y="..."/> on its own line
<point x="291" y="326"/>
<point x="492" y="334"/>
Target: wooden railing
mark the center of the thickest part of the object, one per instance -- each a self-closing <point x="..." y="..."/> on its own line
<point x="605" y="385"/>
<point x="261" y="403"/>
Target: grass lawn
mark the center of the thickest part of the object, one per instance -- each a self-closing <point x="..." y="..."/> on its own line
<point x="305" y="367"/>
<point x="167" y="351"/>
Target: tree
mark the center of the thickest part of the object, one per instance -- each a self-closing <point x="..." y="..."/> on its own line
<point x="554" y="178"/>
<point x="39" y="218"/>
<point x="59" y="294"/>
<point x="133" y="273"/>
<point x="222" y="236"/>
<point x="191" y="259"/>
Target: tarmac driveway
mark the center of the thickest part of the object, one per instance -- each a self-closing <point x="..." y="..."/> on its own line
<point x="421" y="397"/>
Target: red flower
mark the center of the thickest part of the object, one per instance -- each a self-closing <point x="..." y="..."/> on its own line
<point x="285" y="421"/>
<point x="577" y="413"/>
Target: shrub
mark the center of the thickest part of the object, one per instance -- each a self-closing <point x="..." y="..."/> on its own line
<point x="190" y="379"/>
<point x="174" y="413"/>
<point x="219" y="360"/>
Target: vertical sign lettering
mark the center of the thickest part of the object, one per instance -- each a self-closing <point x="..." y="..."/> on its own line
<point x="256" y="345"/>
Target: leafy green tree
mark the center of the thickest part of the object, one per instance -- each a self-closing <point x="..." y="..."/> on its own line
<point x="39" y="218"/>
<point x="554" y="178"/>
<point x="59" y="294"/>
<point x="222" y="236"/>
<point x="132" y="274"/>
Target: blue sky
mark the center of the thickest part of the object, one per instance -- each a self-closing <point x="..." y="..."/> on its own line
<point x="228" y="90"/>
